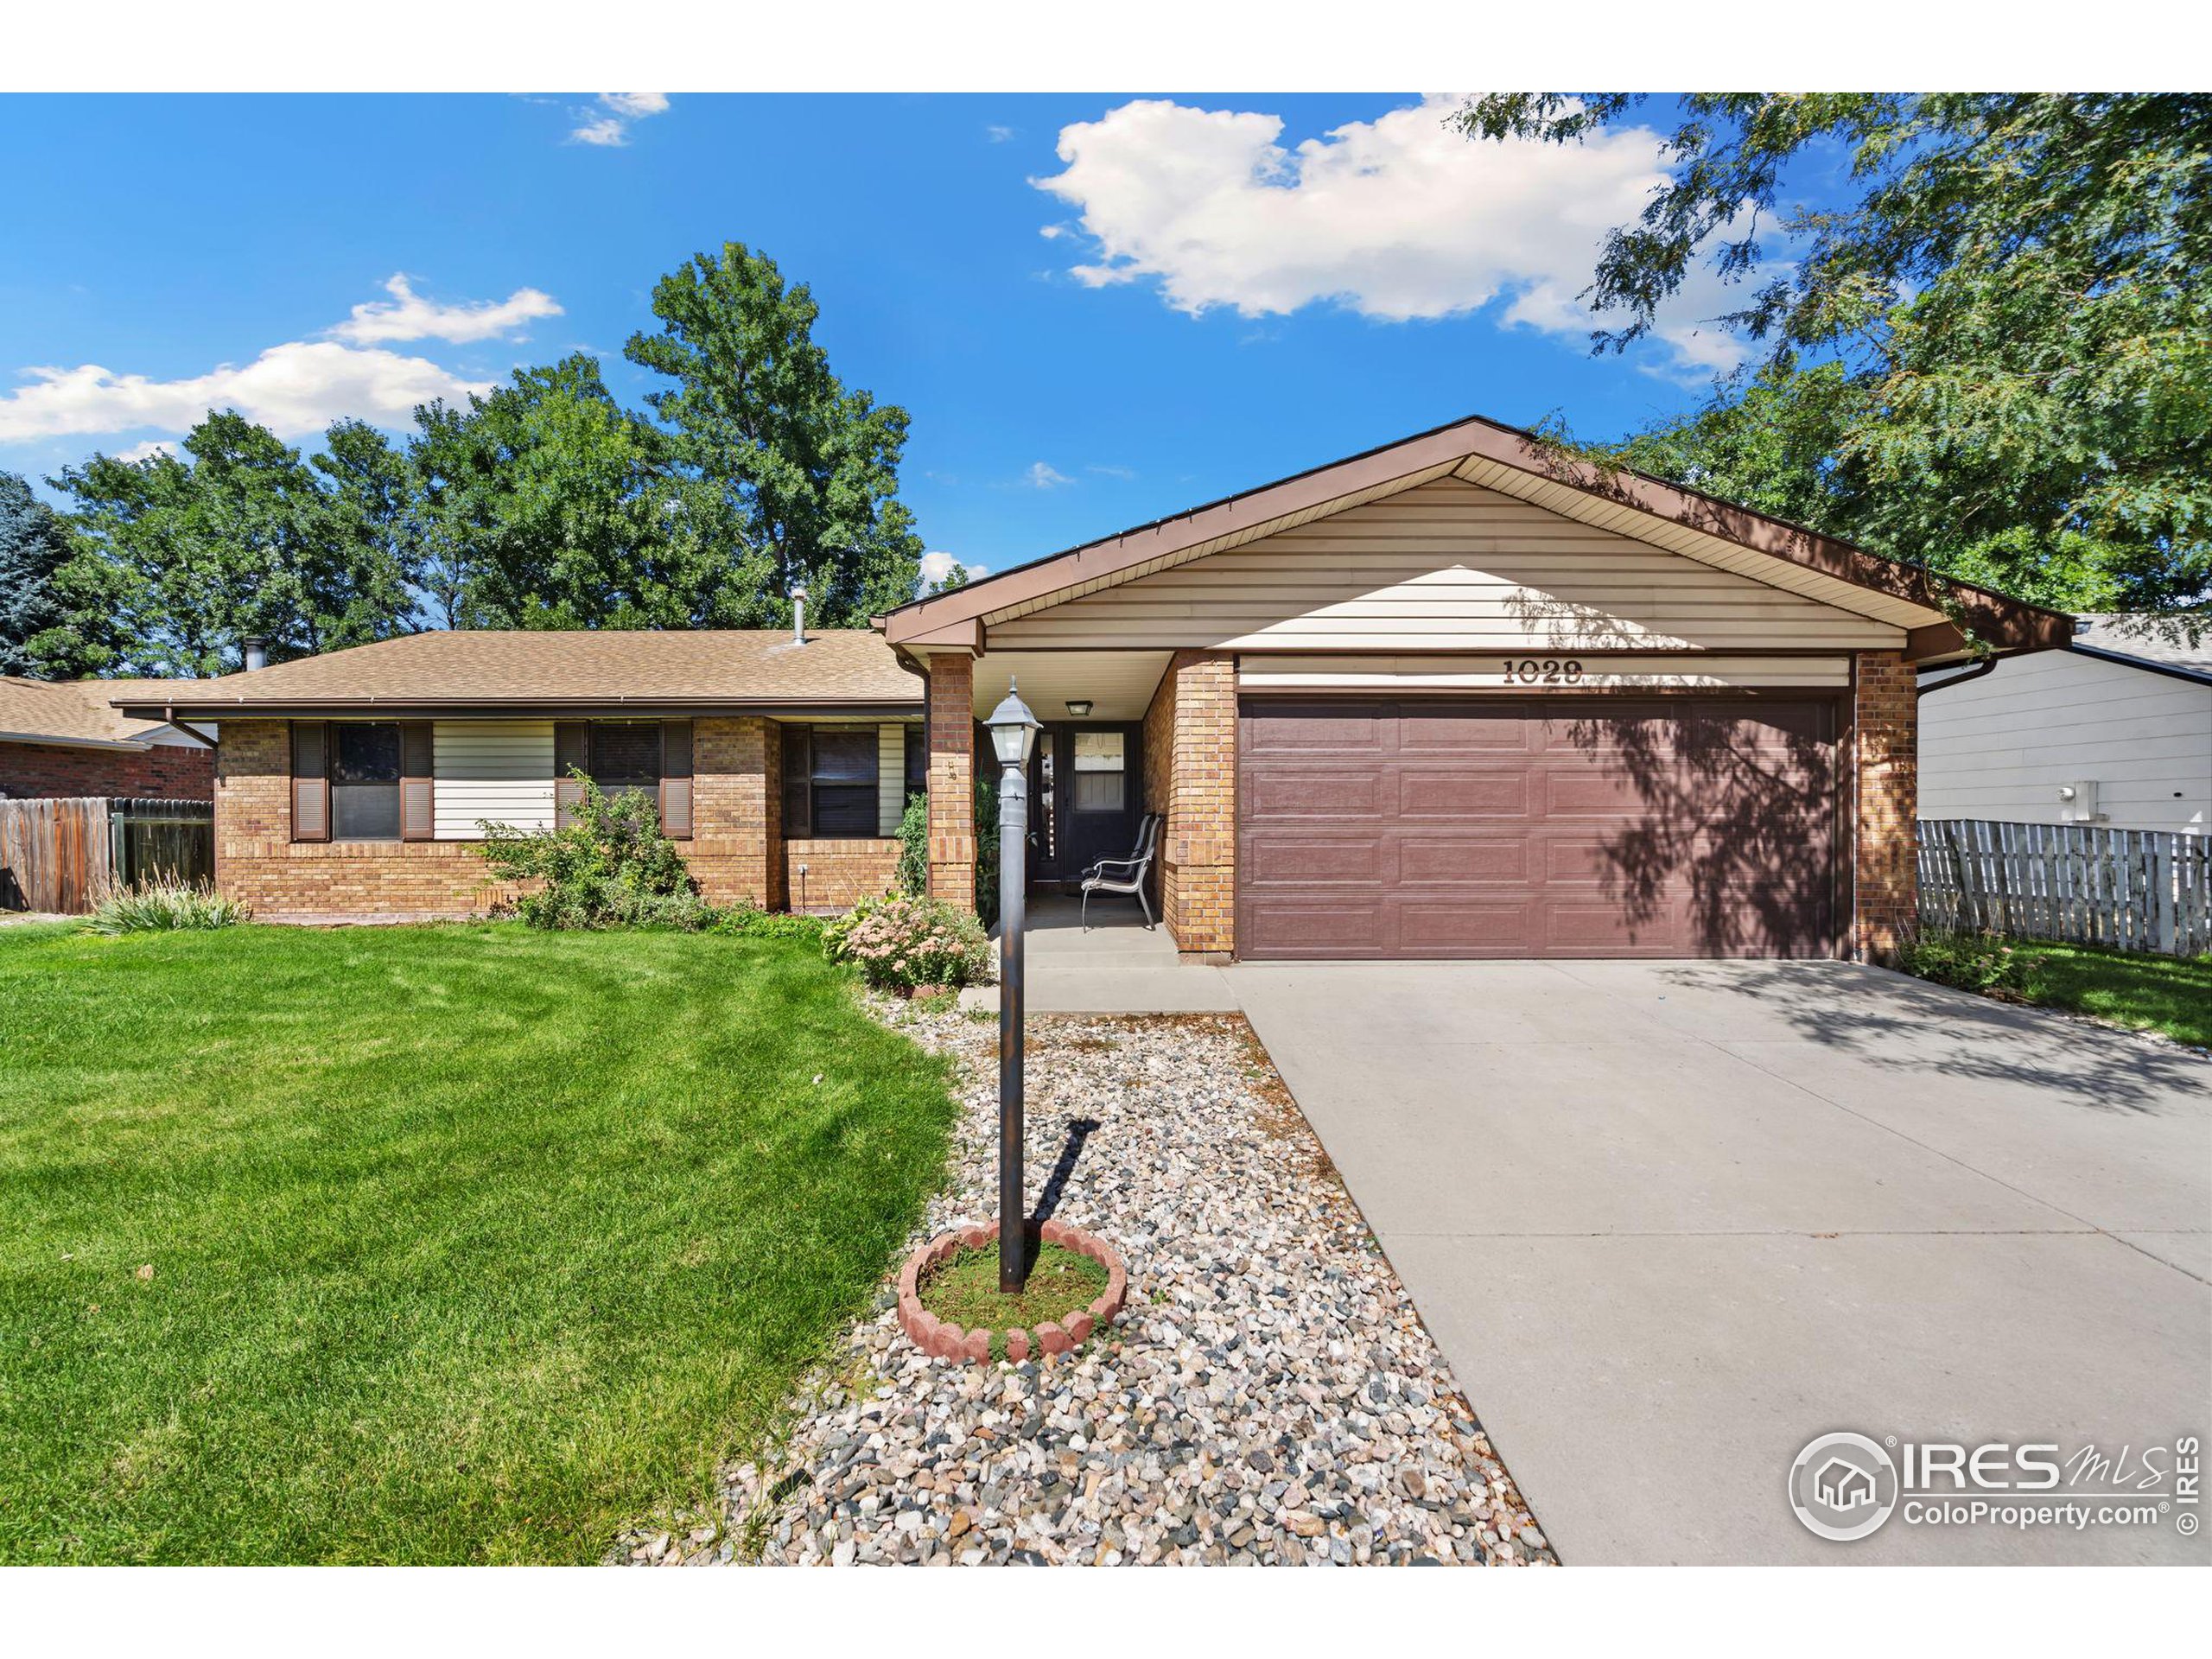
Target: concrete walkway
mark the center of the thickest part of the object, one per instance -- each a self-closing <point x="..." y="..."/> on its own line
<point x="1669" y="1221"/>
<point x="1118" y="966"/>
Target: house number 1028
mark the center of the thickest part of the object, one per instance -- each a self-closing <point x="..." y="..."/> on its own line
<point x="1543" y="670"/>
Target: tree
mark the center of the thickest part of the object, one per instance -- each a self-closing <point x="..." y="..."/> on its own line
<point x="544" y="508"/>
<point x="174" y="565"/>
<point x="32" y="543"/>
<point x="1995" y="359"/>
<point x="774" y="461"/>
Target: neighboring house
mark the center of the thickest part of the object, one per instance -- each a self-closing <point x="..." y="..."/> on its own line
<point x="66" y="738"/>
<point x="1457" y="696"/>
<point x="352" y="786"/>
<point x="2113" y="730"/>
<point x="1464" y="696"/>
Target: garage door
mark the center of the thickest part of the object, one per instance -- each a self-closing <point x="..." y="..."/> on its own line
<point x="1556" y="827"/>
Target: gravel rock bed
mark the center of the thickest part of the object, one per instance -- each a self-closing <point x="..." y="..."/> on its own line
<point x="1267" y="1396"/>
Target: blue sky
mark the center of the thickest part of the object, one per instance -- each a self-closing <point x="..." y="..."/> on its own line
<point x="1182" y="304"/>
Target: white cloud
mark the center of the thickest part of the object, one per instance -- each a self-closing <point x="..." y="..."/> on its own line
<point x="408" y="315"/>
<point x="1124" y="473"/>
<point x="1043" y="475"/>
<point x="999" y="135"/>
<point x="294" y="390"/>
<point x="609" y="122"/>
<point x="1398" y="219"/>
<point x="149" y="449"/>
<point x="937" y="566"/>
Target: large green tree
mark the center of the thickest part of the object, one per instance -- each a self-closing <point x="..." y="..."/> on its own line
<point x="543" y="505"/>
<point x="175" y="560"/>
<point x="776" y="464"/>
<point x="1993" y="355"/>
<point x="32" y="543"/>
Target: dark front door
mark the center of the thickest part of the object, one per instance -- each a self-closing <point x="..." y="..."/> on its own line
<point x="1502" y="827"/>
<point x="1084" y="799"/>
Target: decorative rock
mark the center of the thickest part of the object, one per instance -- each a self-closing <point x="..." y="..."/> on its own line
<point x="1268" y="1394"/>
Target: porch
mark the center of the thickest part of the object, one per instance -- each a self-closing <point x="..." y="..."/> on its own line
<point x="1117" y="965"/>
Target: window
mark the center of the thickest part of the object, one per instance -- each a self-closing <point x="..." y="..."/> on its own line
<point x="626" y="757"/>
<point x="361" y="780"/>
<point x="918" y="759"/>
<point x="1101" y="777"/>
<point x="365" y="781"/>
<point x="829" y="780"/>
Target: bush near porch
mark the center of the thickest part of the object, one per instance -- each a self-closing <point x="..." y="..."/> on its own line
<point x="464" y="1243"/>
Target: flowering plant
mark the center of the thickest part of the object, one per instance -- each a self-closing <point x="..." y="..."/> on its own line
<point x="904" y="940"/>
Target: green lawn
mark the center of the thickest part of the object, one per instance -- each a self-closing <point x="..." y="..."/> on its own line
<point x="468" y="1243"/>
<point x="2164" y="993"/>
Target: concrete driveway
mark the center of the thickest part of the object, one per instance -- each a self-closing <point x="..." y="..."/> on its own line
<point x="1670" y="1221"/>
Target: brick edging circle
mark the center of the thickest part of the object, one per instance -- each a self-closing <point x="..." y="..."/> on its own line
<point x="941" y="1340"/>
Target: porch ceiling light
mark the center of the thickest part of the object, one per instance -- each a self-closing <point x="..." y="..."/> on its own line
<point x="1013" y="730"/>
<point x="1079" y="708"/>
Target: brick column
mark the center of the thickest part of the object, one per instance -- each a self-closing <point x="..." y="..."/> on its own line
<point x="253" y="805"/>
<point x="736" y="850"/>
<point x="952" y="779"/>
<point x="1195" y="712"/>
<point x="1885" y="773"/>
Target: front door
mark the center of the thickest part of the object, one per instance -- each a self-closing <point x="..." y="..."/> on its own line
<point x="1097" y="793"/>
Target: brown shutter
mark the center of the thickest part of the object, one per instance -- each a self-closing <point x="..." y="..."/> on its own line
<point x="572" y="754"/>
<point x="799" y="782"/>
<point x="310" y="780"/>
<point x="417" y="790"/>
<point x="675" y="779"/>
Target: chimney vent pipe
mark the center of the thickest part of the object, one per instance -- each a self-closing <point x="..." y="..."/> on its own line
<point x="798" y="615"/>
<point x="257" y="652"/>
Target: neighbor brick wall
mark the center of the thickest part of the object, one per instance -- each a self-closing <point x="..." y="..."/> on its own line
<point x="1885" y="771"/>
<point x="736" y="853"/>
<point x="840" y="873"/>
<point x="952" y="779"/>
<point x="1191" y="776"/>
<point x="167" y="772"/>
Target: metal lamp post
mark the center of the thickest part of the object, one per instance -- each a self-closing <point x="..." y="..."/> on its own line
<point x="1013" y="735"/>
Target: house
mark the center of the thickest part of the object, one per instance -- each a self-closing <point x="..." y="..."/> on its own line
<point x="352" y="787"/>
<point x="1456" y="697"/>
<point x="1464" y="696"/>
<point x="66" y="738"/>
<point x="1843" y="1485"/>
<point x="2114" y="729"/>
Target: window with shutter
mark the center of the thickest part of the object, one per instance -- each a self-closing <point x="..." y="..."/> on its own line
<point x="365" y="780"/>
<point x="417" y="788"/>
<point x="572" y="754"/>
<point x="675" y="779"/>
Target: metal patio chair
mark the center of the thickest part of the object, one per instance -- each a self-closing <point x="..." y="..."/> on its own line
<point x="1125" y="874"/>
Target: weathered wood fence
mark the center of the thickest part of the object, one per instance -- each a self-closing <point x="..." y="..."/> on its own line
<point x="2132" y="889"/>
<point x="61" y="854"/>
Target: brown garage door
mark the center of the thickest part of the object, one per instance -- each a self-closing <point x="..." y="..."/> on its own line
<point x="1554" y="827"/>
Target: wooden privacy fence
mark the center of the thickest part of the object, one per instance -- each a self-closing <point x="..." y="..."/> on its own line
<point x="61" y="854"/>
<point x="2132" y="889"/>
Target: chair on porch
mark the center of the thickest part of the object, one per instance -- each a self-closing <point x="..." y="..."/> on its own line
<point x="1125" y="874"/>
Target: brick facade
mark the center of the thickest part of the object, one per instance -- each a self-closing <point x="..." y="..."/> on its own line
<point x="737" y="852"/>
<point x="169" y="771"/>
<point x="952" y="779"/>
<point x="1190" y="774"/>
<point x="839" y="873"/>
<point x="1886" y="779"/>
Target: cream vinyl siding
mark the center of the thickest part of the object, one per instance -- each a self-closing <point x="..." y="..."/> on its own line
<point x="1646" y="671"/>
<point x="1447" y="566"/>
<point x="1999" y="746"/>
<point x="496" y="769"/>
<point x="890" y="777"/>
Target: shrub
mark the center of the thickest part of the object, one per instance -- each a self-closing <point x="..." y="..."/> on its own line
<point x="904" y="941"/>
<point x="752" y="922"/>
<point x="914" y="845"/>
<point x="165" y="905"/>
<point x="608" y="867"/>
<point x="1969" y="962"/>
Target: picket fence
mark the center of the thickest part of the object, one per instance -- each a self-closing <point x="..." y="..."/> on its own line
<point x="2131" y="889"/>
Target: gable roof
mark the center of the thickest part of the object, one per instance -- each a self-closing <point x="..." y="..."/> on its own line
<point x="1517" y="463"/>
<point x="613" y="671"/>
<point x="78" y="713"/>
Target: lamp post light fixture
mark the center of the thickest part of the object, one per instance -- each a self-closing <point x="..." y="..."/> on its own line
<point x="1013" y="737"/>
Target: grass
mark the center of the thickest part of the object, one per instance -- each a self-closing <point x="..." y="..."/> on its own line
<point x="965" y="1290"/>
<point x="2172" y="995"/>
<point x="422" y="1244"/>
